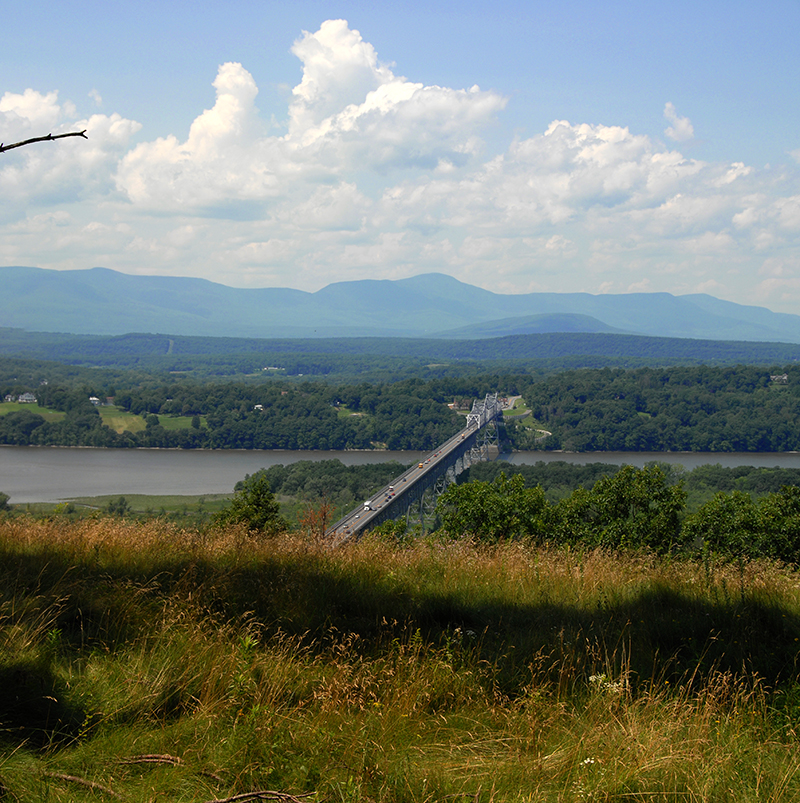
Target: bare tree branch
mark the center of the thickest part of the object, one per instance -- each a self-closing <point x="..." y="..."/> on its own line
<point x="48" y="138"/>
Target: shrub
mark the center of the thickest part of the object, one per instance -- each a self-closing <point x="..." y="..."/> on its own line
<point x="255" y="505"/>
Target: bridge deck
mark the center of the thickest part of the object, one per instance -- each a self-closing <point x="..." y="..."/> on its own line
<point x="375" y="509"/>
<point x="389" y="500"/>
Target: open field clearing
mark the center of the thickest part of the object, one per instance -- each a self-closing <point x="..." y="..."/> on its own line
<point x="120" y="420"/>
<point x="17" y="407"/>
<point x="175" y="422"/>
<point x="148" y="661"/>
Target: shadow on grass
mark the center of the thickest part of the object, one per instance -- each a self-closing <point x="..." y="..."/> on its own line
<point x="35" y="707"/>
<point x="658" y="636"/>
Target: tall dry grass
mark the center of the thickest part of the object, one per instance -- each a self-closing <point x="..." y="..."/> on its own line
<point x="161" y="663"/>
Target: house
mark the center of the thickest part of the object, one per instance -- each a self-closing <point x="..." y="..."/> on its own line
<point x="27" y="398"/>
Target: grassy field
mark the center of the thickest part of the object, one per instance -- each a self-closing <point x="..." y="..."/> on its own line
<point x="153" y="662"/>
<point x="114" y="417"/>
<point x="142" y="503"/>
<point x="173" y="422"/>
<point x="343" y="411"/>
<point x="192" y="510"/>
<point x="15" y="407"/>
<point x="121" y="420"/>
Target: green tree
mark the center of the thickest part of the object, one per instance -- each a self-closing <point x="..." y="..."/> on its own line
<point x="491" y="511"/>
<point x="737" y="526"/>
<point x="632" y="508"/>
<point x="255" y="505"/>
<point x="118" y="507"/>
<point x="4" y="502"/>
<point x="729" y="524"/>
<point x="780" y="523"/>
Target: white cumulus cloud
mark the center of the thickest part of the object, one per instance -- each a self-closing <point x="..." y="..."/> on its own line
<point x="349" y="112"/>
<point x="67" y="171"/>
<point x="31" y="114"/>
<point x="681" y="129"/>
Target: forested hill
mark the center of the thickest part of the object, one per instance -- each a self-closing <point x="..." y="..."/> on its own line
<point x="385" y="357"/>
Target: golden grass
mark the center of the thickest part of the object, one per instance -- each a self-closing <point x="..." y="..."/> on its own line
<point x="383" y="673"/>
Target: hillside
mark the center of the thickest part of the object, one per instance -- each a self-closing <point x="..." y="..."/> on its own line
<point x="358" y="357"/>
<point x="151" y="662"/>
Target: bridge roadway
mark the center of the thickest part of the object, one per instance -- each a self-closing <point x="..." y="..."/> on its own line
<point x="403" y="491"/>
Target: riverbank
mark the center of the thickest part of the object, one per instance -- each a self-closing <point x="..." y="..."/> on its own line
<point x="34" y="474"/>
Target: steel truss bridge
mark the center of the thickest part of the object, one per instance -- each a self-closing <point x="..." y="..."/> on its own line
<point x="414" y="493"/>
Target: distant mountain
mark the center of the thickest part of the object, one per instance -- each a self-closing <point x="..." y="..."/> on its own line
<point x="104" y="302"/>
<point x="530" y="325"/>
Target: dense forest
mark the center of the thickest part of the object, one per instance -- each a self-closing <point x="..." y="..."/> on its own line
<point x="680" y="408"/>
<point x="401" y="415"/>
<point x="706" y="409"/>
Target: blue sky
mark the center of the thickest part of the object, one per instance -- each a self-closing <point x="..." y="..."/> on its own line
<point x="522" y="147"/>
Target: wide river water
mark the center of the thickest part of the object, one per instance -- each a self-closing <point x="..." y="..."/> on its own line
<point x="49" y="474"/>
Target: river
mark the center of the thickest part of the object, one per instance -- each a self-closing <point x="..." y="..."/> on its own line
<point x="30" y="474"/>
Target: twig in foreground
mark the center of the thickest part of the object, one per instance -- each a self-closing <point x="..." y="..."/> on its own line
<point x="48" y="138"/>
<point x="83" y="782"/>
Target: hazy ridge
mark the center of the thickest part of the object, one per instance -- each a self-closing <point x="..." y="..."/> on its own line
<point x="104" y="302"/>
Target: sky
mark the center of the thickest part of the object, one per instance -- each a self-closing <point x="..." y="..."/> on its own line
<point x="522" y="147"/>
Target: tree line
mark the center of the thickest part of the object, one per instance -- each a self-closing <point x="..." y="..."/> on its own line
<point x="403" y="415"/>
<point x="629" y="509"/>
<point x="704" y="408"/>
<point x="709" y="409"/>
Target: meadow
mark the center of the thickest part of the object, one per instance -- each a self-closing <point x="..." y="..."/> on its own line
<point x="145" y="661"/>
<point x="17" y="407"/>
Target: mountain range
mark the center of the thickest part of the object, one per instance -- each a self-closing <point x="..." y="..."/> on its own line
<point x="104" y="302"/>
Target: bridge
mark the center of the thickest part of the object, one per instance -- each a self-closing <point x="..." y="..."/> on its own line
<point x="415" y="491"/>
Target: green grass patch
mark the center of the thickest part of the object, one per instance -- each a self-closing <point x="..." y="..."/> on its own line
<point x="175" y="422"/>
<point x="145" y="503"/>
<point x="121" y="420"/>
<point x="15" y="407"/>
<point x="343" y="411"/>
